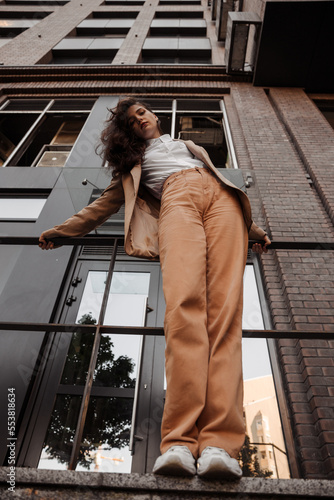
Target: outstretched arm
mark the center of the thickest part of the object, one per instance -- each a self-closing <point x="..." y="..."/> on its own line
<point x="88" y="218"/>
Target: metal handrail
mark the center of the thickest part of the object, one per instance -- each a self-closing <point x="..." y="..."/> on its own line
<point x="100" y="328"/>
<point x="108" y="240"/>
<point x="155" y="330"/>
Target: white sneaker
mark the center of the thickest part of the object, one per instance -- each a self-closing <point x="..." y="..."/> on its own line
<point x="216" y="463"/>
<point x="177" y="461"/>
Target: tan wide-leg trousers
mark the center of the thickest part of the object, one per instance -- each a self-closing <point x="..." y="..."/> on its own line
<point x="203" y="243"/>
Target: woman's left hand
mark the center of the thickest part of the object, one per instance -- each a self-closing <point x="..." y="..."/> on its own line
<point x="258" y="248"/>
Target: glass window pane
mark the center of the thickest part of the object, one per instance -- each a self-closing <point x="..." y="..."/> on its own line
<point x="21" y="208"/>
<point x="263" y="427"/>
<point x="58" y="442"/>
<point x="117" y="362"/>
<point x="198" y="105"/>
<point x="105" y="441"/>
<point x="27" y="104"/>
<point x="72" y="104"/>
<point x="52" y="157"/>
<point x="127" y="300"/>
<point x="252" y="320"/>
<point x="263" y="424"/>
<point x="118" y="358"/>
<point x="205" y="130"/>
<point x="13" y="127"/>
<point x="57" y="135"/>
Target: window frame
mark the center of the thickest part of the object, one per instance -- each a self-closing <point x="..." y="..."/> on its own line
<point x="24" y="195"/>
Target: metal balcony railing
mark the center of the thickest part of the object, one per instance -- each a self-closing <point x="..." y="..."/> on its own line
<point x="99" y="328"/>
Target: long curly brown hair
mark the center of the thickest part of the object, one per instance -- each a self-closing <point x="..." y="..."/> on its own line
<point x="120" y="147"/>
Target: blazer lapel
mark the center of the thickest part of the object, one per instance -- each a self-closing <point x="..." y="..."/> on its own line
<point x="130" y="183"/>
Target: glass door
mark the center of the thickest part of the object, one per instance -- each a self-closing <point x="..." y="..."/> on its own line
<point x="133" y="300"/>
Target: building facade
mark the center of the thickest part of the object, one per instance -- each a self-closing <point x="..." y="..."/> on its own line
<point x="81" y="336"/>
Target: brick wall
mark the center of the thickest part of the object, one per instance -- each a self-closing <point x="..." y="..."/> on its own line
<point x="286" y="138"/>
<point x="312" y="136"/>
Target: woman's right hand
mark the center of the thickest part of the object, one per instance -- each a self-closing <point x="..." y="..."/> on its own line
<point x="44" y="244"/>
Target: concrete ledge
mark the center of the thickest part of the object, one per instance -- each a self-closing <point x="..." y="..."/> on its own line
<point x="53" y="484"/>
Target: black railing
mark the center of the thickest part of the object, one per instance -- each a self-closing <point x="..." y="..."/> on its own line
<point x="149" y="330"/>
<point x="99" y="328"/>
<point x="110" y="240"/>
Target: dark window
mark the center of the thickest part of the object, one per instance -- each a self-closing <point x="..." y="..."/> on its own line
<point x="37" y="2"/>
<point x="25" y="104"/>
<point x="13" y="127"/>
<point x="170" y="50"/>
<point x="180" y="2"/>
<point x="20" y="14"/>
<point x="43" y="136"/>
<point x="187" y="14"/>
<point x="86" y="50"/>
<point x="198" y="105"/>
<point x="9" y="28"/>
<point x="113" y="14"/>
<point x="207" y="131"/>
<point x="179" y="27"/>
<point x="124" y="2"/>
<point x="104" y="26"/>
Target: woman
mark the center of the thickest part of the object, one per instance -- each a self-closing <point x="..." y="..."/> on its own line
<point x="179" y="207"/>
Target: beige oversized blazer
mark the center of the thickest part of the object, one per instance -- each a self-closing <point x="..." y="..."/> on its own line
<point x="141" y="211"/>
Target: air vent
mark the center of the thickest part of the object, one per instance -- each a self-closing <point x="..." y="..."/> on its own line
<point x="99" y="251"/>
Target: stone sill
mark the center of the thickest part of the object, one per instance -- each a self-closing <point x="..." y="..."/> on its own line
<point x="55" y="484"/>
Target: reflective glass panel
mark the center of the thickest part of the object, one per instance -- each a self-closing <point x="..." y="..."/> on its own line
<point x="20" y="208"/>
<point x="117" y="362"/>
<point x="58" y="442"/>
<point x="205" y="130"/>
<point x="264" y="451"/>
<point x="127" y="299"/>
<point x="105" y="442"/>
<point x="13" y="127"/>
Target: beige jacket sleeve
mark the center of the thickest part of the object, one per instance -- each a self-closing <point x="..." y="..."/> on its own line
<point x="91" y="216"/>
<point x="256" y="232"/>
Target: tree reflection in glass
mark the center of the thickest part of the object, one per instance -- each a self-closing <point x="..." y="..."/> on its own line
<point x="107" y="424"/>
<point x="110" y="371"/>
<point x="107" y="427"/>
<point x="108" y="420"/>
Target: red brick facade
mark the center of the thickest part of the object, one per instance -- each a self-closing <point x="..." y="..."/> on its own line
<point x="286" y="137"/>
